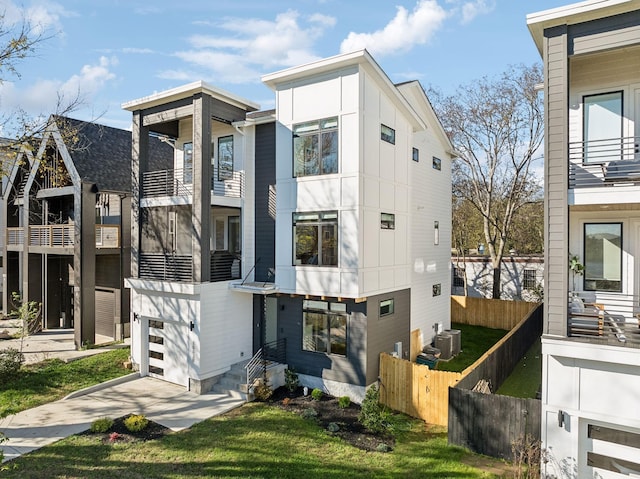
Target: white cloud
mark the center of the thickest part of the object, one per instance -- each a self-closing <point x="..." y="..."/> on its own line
<point x="41" y="97"/>
<point x="253" y="45"/>
<point x="42" y="17"/>
<point x="402" y="33"/>
<point x="471" y="10"/>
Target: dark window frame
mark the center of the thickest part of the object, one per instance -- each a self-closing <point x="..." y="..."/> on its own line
<point x="387" y="221"/>
<point x="328" y="312"/>
<point x="324" y="222"/>
<point x="389" y="135"/>
<point x="587" y="281"/>
<point x="320" y="132"/>
<point x="415" y="154"/>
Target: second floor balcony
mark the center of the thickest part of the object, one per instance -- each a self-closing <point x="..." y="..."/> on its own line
<point x="604" y="163"/>
<point x="179" y="182"/>
<point x="225" y="266"/>
<point x="60" y="236"/>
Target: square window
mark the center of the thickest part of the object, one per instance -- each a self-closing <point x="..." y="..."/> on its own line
<point x="387" y="221"/>
<point x="324" y="331"/>
<point x="386" y="307"/>
<point x="437" y="163"/>
<point x="315" y="238"/>
<point x="415" y="154"/>
<point x="436" y="289"/>
<point x="387" y="134"/>
<point x="315" y="147"/>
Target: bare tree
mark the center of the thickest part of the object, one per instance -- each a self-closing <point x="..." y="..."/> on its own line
<point x="497" y="128"/>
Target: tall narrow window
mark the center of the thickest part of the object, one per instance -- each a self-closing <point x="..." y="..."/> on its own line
<point x="415" y="155"/>
<point x="315" y="147"/>
<point x="603" y="257"/>
<point x="234" y="234"/>
<point x="436" y="232"/>
<point x="529" y="279"/>
<point x="315" y="238"/>
<point x="225" y="158"/>
<point x="602" y="127"/>
<point x="187" y="166"/>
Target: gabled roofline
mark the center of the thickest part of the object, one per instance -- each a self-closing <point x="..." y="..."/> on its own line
<point x="186" y="91"/>
<point x="575" y="13"/>
<point x="337" y="62"/>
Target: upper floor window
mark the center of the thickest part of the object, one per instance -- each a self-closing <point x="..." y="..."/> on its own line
<point x="387" y="221"/>
<point x="315" y="238"/>
<point x="315" y="147"/>
<point x="436" y="232"/>
<point x="602" y="127"/>
<point x="437" y="163"/>
<point x="603" y="257"/>
<point x="187" y="165"/>
<point x="387" y="134"/>
<point x="225" y="157"/>
<point x="415" y="154"/>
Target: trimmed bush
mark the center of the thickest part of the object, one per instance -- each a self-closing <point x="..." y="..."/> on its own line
<point x="136" y="422"/>
<point x="333" y="427"/>
<point x="309" y="413"/>
<point x="10" y="362"/>
<point x="344" y="402"/>
<point x="291" y="381"/>
<point x="317" y="394"/>
<point x="101" y="425"/>
<point x="262" y="392"/>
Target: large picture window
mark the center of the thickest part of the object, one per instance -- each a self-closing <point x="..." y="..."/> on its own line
<point x="315" y="238"/>
<point x="324" y="327"/>
<point x="225" y="158"/>
<point x="315" y="147"/>
<point x="602" y="125"/>
<point x="603" y="257"/>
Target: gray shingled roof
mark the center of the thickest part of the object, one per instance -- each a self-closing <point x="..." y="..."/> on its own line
<point x="102" y="154"/>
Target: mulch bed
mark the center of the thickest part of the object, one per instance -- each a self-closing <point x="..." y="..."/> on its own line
<point x="328" y="412"/>
<point x="119" y="433"/>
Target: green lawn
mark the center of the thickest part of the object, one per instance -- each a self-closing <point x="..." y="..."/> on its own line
<point x="475" y="341"/>
<point x="254" y="441"/>
<point x="526" y="378"/>
<point x="53" y="379"/>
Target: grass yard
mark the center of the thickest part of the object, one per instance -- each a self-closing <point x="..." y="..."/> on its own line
<point x="475" y="341"/>
<point x="526" y="378"/>
<point x="254" y="441"/>
<point x="53" y="379"/>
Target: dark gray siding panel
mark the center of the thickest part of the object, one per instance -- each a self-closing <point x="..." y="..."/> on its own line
<point x="333" y="367"/>
<point x="383" y="332"/>
<point x="108" y="271"/>
<point x="556" y="171"/>
<point x="597" y="35"/>
<point x="265" y="223"/>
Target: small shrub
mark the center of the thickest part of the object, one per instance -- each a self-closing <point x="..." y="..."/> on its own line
<point x="373" y="415"/>
<point x="3" y="438"/>
<point x="136" y="422"/>
<point x="101" y="425"/>
<point x="11" y="360"/>
<point x="333" y="427"/>
<point x="383" y="447"/>
<point x="262" y="392"/>
<point x="286" y="401"/>
<point x="291" y="381"/>
<point x="114" y="437"/>
<point x="317" y="394"/>
<point x="309" y="413"/>
<point x="344" y="402"/>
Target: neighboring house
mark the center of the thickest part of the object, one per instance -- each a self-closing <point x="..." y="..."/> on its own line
<point x="67" y="241"/>
<point x="520" y="278"/>
<point x="590" y="345"/>
<point x="310" y="230"/>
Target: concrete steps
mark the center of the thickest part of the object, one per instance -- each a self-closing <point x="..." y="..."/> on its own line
<point x="234" y="383"/>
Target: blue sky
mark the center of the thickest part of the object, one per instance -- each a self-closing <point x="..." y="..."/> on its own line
<point x="114" y="51"/>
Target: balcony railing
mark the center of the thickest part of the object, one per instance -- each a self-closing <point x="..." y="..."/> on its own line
<point x="179" y="182"/>
<point x="604" y="162"/>
<point x="612" y="318"/>
<point x="61" y="236"/>
<point x="171" y="267"/>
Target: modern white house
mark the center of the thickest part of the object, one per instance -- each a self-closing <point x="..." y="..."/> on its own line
<point x="314" y="235"/>
<point x="591" y="340"/>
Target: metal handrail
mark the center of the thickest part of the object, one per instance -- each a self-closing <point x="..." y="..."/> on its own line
<point x="275" y="351"/>
<point x="604" y="162"/>
<point x="179" y="182"/>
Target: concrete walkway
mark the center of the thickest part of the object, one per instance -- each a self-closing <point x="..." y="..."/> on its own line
<point x="165" y="403"/>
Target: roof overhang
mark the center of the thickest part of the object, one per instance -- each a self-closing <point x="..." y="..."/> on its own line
<point x="575" y="13"/>
<point x="254" y="287"/>
<point x="187" y="91"/>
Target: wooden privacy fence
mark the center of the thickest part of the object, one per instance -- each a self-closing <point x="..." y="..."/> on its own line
<point x="490" y="424"/>
<point x="416" y="390"/>
<point x="490" y="313"/>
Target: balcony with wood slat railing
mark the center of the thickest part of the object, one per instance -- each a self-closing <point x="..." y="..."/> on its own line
<point x="61" y="236"/>
<point x="179" y="182"/>
<point x="174" y="267"/>
<point x="603" y="163"/>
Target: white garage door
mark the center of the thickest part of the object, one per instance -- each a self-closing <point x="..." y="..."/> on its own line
<point x="168" y="351"/>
